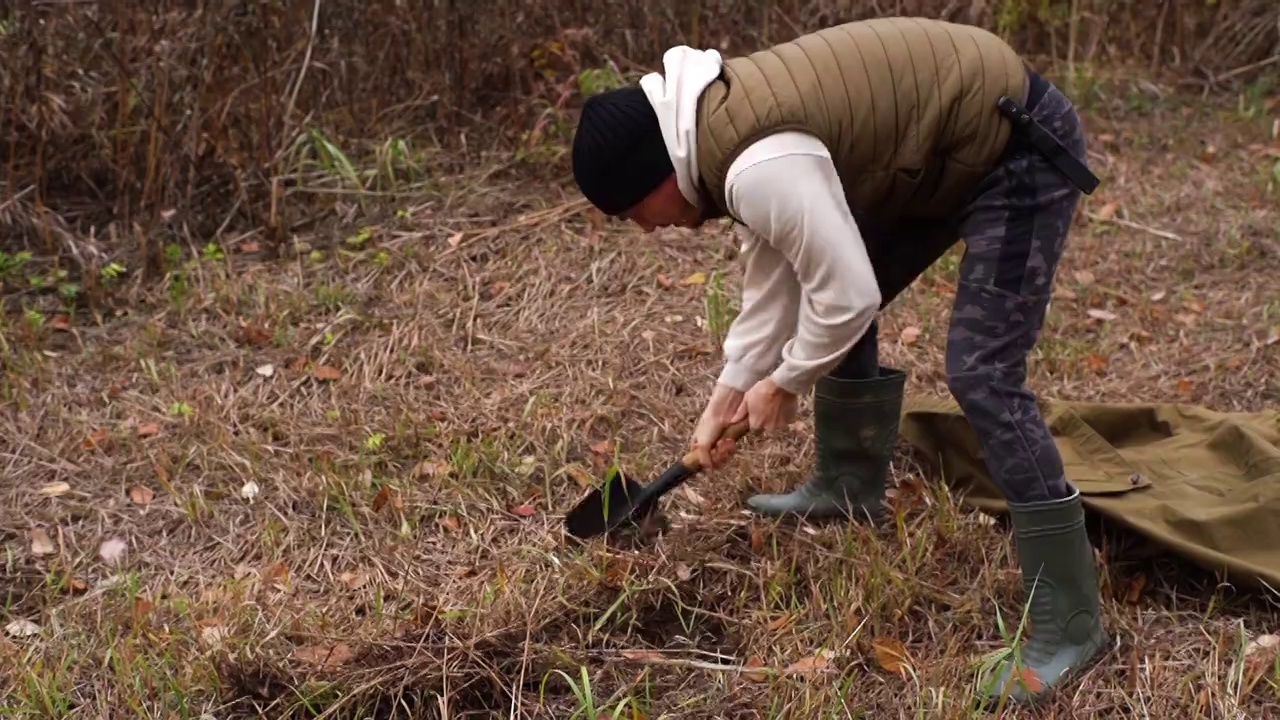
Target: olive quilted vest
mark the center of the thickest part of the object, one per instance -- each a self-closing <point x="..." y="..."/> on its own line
<point x="907" y="107"/>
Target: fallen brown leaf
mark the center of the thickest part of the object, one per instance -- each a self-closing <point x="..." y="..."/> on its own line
<point x="1134" y="589"/>
<point x="112" y="550"/>
<point x="253" y="334"/>
<point x="142" y="607"/>
<point x="1186" y="388"/>
<point x="813" y="663"/>
<point x="694" y="497"/>
<point x="327" y="373"/>
<point x="388" y="495"/>
<point x="331" y="656"/>
<point x="161" y="473"/>
<point x="523" y="511"/>
<point x="757" y="540"/>
<point x="1259" y="658"/>
<point x="213" y="634"/>
<point x="755" y="675"/>
<point x="141" y="495"/>
<point x="353" y="580"/>
<point x="54" y="489"/>
<point x="432" y="468"/>
<point x="1098" y="314"/>
<point x="61" y="322"/>
<point x="910" y="334"/>
<point x="41" y="543"/>
<point x="780" y="622"/>
<point x="1096" y="363"/>
<point x="147" y="430"/>
<point x="451" y="522"/>
<point x="913" y="485"/>
<point x="275" y="571"/>
<point x="1265" y="151"/>
<point x="616" y="572"/>
<point x="683" y="572"/>
<point x="852" y="619"/>
<point x="890" y="654"/>
<point x="580" y="475"/>
<point x="603" y="447"/>
<point x="1084" y="277"/>
<point x="643" y="655"/>
<point x="1029" y="679"/>
<point x="22" y="628"/>
<point x="97" y="439"/>
<point x="1108" y="211"/>
<point x="455" y="239"/>
<point x="511" y="368"/>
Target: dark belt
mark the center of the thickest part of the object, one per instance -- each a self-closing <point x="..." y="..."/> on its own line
<point x="1045" y="143"/>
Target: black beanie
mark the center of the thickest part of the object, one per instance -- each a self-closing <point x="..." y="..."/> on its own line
<point x="619" y="156"/>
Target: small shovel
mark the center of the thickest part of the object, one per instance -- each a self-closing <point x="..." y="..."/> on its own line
<point x="623" y="499"/>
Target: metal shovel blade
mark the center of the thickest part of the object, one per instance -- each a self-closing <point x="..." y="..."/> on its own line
<point x="622" y="499"/>
<point x="606" y="507"/>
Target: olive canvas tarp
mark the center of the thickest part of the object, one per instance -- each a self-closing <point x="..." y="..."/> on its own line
<point x="1198" y="483"/>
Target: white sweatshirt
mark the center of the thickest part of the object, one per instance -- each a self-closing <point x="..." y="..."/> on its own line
<point x="809" y="292"/>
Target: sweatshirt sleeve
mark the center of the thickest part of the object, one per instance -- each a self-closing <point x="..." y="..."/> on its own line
<point x="767" y="318"/>
<point x="785" y="189"/>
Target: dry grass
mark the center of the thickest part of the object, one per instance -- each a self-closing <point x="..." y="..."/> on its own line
<point x="128" y="127"/>
<point x="321" y="468"/>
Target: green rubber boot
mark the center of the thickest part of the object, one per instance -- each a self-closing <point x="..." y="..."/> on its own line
<point x="855" y="428"/>
<point x="1061" y="578"/>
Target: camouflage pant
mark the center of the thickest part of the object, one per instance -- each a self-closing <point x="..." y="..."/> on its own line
<point x="1015" y="228"/>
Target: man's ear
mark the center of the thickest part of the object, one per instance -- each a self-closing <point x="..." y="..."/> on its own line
<point x="671" y="188"/>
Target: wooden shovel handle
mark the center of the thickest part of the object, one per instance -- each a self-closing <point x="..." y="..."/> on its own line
<point x="733" y="432"/>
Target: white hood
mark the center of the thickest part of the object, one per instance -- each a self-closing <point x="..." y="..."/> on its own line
<point x="675" y="98"/>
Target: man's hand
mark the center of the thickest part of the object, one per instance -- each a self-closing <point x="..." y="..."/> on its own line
<point x="768" y="406"/>
<point x="718" y="415"/>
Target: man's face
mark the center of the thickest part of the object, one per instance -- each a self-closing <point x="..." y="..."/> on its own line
<point x="664" y="207"/>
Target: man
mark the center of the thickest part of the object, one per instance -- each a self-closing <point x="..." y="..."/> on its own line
<point x="851" y="159"/>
